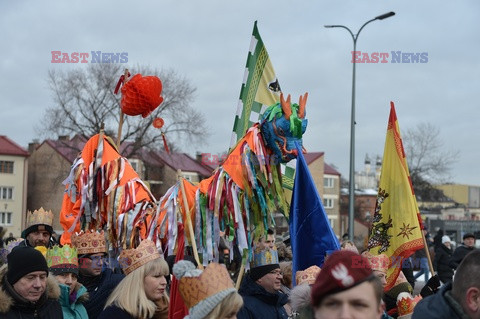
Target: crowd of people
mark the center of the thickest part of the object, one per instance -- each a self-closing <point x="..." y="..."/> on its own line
<point x="42" y="279"/>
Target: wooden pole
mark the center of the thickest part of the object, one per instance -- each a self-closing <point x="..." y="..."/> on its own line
<point x="427" y="252"/>
<point x="241" y="271"/>
<point x="189" y="220"/>
<point x="120" y="122"/>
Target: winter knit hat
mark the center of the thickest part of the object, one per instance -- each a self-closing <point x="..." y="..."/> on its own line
<point x="468" y="235"/>
<point x="446" y="239"/>
<point x="24" y="260"/>
<point x="203" y="290"/>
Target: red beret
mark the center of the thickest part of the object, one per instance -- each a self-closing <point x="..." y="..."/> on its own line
<point x="342" y="270"/>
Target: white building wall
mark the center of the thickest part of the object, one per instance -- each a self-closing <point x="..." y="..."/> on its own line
<point x="16" y="205"/>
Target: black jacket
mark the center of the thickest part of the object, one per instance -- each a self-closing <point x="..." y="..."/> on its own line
<point x="13" y="306"/>
<point x="439" y="306"/>
<point x="458" y="255"/>
<point x="442" y="261"/>
<point x="116" y="312"/>
<point x="259" y="303"/>
<point x="99" y="288"/>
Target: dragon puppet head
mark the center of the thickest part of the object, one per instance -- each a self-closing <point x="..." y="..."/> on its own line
<point x="282" y="125"/>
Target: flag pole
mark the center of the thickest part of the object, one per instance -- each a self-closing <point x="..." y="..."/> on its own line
<point x="427" y="252"/>
<point x="189" y="220"/>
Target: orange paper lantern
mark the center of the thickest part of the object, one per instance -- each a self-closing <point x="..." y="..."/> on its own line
<point x="141" y="95"/>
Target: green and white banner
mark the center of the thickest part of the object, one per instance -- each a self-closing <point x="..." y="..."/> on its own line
<point x="260" y="89"/>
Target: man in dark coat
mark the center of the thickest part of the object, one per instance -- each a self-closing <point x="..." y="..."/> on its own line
<point x="26" y="290"/>
<point x="260" y="288"/>
<point x="456" y="300"/>
<point x="98" y="279"/>
<point x="38" y="230"/>
<point x="462" y="250"/>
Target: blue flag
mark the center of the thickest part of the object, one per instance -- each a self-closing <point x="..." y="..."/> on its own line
<point x="311" y="235"/>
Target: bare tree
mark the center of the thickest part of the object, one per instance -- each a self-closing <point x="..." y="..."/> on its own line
<point x="427" y="159"/>
<point x="84" y="99"/>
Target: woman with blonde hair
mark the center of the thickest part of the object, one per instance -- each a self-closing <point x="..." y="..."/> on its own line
<point x="218" y="298"/>
<point x="142" y="293"/>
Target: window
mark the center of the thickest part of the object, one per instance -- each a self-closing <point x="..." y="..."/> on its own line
<point x="328" y="182"/>
<point x="332" y="222"/>
<point x="191" y="177"/>
<point x="6" y="167"/>
<point x="6" y="218"/>
<point x="328" y="202"/>
<point x="135" y="164"/>
<point x="6" y="192"/>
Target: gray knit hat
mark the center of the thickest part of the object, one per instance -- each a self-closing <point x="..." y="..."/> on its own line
<point x="201" y="290"/>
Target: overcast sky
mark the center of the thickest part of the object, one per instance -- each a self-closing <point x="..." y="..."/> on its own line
<point x="207" y="42"/>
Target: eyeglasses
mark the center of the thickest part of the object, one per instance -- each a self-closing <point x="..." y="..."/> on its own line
<point x="276" y="272"/>
<point x="94" y="258"/>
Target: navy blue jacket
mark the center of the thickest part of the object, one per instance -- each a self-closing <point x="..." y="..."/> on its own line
<point x="116" y="312"/>
<point x="439" y="306"/>
<point x="458" y="255"/>
<point x="99" y="289"/>
<point x="258" y="303"/>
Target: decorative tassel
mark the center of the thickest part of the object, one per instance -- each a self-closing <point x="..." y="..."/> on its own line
<point x="165" y="143"/>
<point x="120" y="82"/>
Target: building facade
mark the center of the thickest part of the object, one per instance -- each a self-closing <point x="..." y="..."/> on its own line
<point x="13" y="186"/>
<point x="327" y="181"/>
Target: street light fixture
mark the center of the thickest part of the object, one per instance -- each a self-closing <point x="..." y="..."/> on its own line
<point x="351" y="188"/>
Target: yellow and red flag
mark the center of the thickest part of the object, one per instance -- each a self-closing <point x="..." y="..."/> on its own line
<point x="396" y="228"/>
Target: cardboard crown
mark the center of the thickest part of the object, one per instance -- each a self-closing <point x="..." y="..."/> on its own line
<point x="39" y="217"/>
<point x="89" y="242"/>
<point x="131" y="259"/>
<point x="60" y="256"/>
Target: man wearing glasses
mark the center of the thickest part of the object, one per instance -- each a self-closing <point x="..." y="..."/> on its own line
<point x="260" y="288"/>
<point x="99" y="280"/>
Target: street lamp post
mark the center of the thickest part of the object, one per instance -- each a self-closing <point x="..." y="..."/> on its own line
<point x="351" y="188"/>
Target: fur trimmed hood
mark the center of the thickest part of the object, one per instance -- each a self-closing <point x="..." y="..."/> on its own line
<point x="6" y="300"/>
<point x="300" y="296"/>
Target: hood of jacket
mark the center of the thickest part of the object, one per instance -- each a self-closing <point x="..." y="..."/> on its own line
<point x="82" y="294"/>
<point x="52" y="291"/>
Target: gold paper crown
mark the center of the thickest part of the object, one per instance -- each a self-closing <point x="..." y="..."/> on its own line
<point x="89" y="242"/>
<point x="308" y="275"/>
<point x="131" y="259"/>
<point x="212" y="280"/>
<point x="65" y="255"/>
<point x="379" y="262"/>
<point x="406" y="303"/>
<point x="39" y="217"/>
<point x="265" y="256"/>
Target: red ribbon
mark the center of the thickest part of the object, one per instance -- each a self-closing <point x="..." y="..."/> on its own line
<point x="120" y="82"/>
<point x="165" y="143"/>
